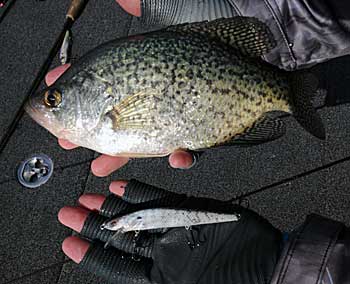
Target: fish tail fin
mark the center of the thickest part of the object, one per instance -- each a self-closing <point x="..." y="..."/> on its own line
<point x="303" y="87"/>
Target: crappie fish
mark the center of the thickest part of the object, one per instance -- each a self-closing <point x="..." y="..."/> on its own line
<point x="159" y="218"/>
<point x="191" y="86"/>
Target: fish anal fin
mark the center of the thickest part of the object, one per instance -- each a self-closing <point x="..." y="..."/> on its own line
<point x="247" y="35"/>
<point x="263" y="130"/>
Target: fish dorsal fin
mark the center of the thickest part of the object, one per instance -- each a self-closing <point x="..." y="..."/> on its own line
<point x="247" y="35"/>
<point x="263" y="130"/>
<point x="133" y="112"/>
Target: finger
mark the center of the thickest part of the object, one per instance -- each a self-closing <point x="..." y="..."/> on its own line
<point x="105" y="206"/>
<point x="73" y="217"/>
<point x="105" y="165"/>
<point x="132" y="7"/>
<point x="126" y="242"/>
<point x="88" y="224"/>
<point x="116" y="266"/>
<point x="75" y="248"/>
<point x="92" y="201"/>
<point x="114" y="206"/>
<point x="137" y="192"/>
<point x="55" y="73"/>
<point x="108" y="207"/>
<point x="118" y="187"/>
<point x="85" y="222"/>
<point x="65" y="144"/>
<point x="181" y="160"/>
<point x="111" y="263"/>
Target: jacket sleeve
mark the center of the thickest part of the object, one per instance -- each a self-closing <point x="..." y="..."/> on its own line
<point x="307" y="31"/>
<point x="317" y="252"/>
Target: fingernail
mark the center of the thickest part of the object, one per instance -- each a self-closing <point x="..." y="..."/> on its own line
<point x="182" y="161"/>
<point x="195" y="157"/>
<point x="105" y="165"/>
<point x="65" y="144"/>
<point x="75" y="248"/>
<point x="73" y="217"/>
<point x="92" y="201"/>
<point x="118" y="187"/>
<point x="96" y="170"/>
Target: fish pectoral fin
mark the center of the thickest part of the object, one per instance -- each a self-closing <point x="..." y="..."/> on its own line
<point x="248" y="35"/>
<point x="263" y="130"/>
<point x="133" y="112"/>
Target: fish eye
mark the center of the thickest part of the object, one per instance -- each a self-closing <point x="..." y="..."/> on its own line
<point x="52" y="98"/>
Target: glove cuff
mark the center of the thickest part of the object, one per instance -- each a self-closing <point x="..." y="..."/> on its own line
<point x="304" y="258"/>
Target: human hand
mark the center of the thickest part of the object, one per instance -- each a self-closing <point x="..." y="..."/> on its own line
<point x="167" y="13"/>
<point x="329" y="40"/>
<point x="104" y="164"/>
<point x="132" y="7"/>
<point x="244" y="251"/>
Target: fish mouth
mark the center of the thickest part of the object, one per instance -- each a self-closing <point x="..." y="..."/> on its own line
<point x="34" y="113"/>
<point x="44" y="118"/>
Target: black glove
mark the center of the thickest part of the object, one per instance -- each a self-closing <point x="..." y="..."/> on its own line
<point x="244" y="252"/>
<point x="300" y="43"/>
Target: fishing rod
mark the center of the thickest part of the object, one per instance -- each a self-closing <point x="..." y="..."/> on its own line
<point x="75" y="10"/>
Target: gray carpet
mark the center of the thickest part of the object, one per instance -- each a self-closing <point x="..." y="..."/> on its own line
<point x="283" y="180"/>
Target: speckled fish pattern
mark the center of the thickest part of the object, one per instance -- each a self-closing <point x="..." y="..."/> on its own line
<point x="151" y="94"/>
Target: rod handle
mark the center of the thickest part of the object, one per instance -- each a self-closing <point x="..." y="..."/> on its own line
<point x="76" y="8"/>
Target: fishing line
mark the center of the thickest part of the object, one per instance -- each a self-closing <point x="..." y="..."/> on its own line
<point x="75" y="10"/>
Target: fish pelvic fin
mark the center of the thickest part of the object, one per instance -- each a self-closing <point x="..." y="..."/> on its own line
<point x="248" y="35"/>
<point x="303" y="86"/>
